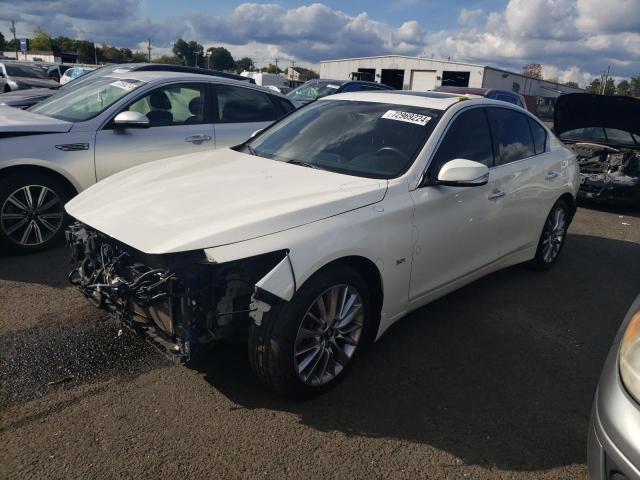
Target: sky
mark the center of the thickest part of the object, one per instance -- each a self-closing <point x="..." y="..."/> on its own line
<point x="574" y="40"/>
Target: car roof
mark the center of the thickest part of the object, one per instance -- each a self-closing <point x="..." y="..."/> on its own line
<point x="434" y="100"/>
<point x="438" y="101"/>
<point x="163" y="76"/>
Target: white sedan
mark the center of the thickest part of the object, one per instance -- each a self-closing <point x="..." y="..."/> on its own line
<point x="313" y="237"/>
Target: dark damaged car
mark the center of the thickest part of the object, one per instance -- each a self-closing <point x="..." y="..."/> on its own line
<point x="604" y="133"/>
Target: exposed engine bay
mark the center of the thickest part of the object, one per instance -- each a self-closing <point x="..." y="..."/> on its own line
<point x="607" y="172"/>
<point x="180" y="302"/>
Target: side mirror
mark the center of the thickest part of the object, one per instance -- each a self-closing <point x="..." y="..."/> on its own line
<point x="131" y="120"/>
<point x="463" y="173"/>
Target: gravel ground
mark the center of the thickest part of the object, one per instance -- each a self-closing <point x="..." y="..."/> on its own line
<point x="492" y="381"/>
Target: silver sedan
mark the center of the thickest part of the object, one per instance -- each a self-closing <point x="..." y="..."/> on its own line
<point x="77" y="137"/>
<point x="614" y="430"/>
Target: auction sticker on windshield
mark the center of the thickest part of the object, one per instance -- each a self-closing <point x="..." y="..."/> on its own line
<point x="409" y="117"/>
<point x="126" y="84"/>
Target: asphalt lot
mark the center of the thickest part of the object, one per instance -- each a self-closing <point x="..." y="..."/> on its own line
<point x="492" y="381"/>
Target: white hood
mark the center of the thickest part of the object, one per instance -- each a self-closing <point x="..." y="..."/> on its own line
<point x="17" y="120"/>
<point x="215" y="198"/>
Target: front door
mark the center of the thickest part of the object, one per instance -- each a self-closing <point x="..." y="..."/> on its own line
<point x="456" y="228"/>
<point x="180" y="123"/>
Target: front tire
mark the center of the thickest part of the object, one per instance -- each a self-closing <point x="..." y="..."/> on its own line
<point x="305" y="347"/>
<point x="32" y="213"/>
<point x="553" y="236"/>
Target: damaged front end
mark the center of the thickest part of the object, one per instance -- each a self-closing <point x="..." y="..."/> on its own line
<point x="180" y="302"/>
<point x="607" y="173"/>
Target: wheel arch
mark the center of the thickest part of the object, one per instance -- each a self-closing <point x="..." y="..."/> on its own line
<point x="571" y="201"/>
<point x="69" y="185"/>
<point x="370" y="274"/>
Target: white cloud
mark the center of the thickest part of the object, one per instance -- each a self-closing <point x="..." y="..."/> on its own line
<point x="469" y="17"/>
<point x="577" y="38"/>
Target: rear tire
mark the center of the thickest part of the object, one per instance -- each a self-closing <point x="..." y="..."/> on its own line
<point x="553" y="236"/>
<point x="32" y="215"/>
<point x="282" y="347"/>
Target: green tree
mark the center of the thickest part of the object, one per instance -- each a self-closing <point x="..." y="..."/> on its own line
<point x="140" y="57"/>
<point x="190" y="53"/>
<point x="245" y="63"/>
<point x="87" y="51"/>
<point x="623" y="88"/>
<point x="595" y="86"/>
<point x="13" y="45"/>
<point x="610" y="87"/>
<point x="221" y="59"/>
<point x="3" y="43"/>
<point x="168" y="59"/>
<point x="572" y="84"/>
<point x="634" y="83"/>
<point x="40" y="40"/>
<point x="271" y="68"/>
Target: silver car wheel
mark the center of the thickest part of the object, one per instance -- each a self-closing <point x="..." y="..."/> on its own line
<point x="328" y="335"/>
<point x="554" y="232"/>
<point x="31" y="215"/>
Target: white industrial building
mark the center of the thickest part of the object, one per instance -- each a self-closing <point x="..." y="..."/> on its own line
<point x="422" y="74"/>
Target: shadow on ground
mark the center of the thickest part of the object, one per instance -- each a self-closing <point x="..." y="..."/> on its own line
<point x="50" y="267"/>
<point x="500" y="373"/>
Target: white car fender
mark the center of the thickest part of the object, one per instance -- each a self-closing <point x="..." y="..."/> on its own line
<point x="356" y="233"/>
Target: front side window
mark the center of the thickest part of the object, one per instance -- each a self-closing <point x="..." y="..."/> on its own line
<point x="367" y="139"/>
<point x="87" y="100"/>
<point x="468" y="138"/>
<point x="244" y="105"/>
<point x="172" y="105"/>
<point x="512" y="135"/>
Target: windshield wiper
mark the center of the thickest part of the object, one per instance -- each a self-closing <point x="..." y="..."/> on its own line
<point x="251" y="150"/>
<point x="305" y="164"/>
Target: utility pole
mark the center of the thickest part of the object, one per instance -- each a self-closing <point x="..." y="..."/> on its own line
<point x="95" y="54"/>
<point x="604" y="81"/>
<point x="276" y="64"/>
<point x="149" y="49"/>
<point x="15" y="40"/>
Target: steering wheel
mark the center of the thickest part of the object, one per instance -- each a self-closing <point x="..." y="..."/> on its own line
<point x="391" y="150"/>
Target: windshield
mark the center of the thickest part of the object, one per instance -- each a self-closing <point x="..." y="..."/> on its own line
<point x="367" y="139"/>
<point x="86" y="100"/>
<point x="29" y="71"/>
<point x="310" y="91"/>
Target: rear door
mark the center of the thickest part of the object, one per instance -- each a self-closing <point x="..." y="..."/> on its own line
<point x="180" y="123"/>
<point x="239" y="112"/>
<point x="530" y="177"/>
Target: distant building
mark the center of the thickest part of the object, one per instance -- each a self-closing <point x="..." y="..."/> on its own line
<point x="423" y="74"/>
<point x="299" y="74"/>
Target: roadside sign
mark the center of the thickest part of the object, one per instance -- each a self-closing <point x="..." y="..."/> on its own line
<point x="24" y="45"/>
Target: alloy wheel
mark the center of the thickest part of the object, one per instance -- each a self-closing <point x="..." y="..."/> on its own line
<point x="31" y="215"/>
<point x="554" y="232"/>
<point x="328" y="335"/>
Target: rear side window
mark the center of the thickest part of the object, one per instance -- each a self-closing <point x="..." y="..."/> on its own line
<point x="512" y="135"/>
<point x="244" y="105"/>
<point x="468" y="138"/>
<point x="539" y="136"/>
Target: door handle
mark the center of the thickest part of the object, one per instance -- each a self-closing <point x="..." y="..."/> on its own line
<point x="551" y="175"/>
<point x="197" y="139"/>
<point x="496" y="195"/>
